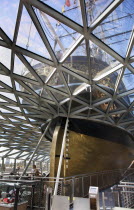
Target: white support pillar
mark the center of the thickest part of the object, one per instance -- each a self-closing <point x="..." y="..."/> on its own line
<point x="61" y="158"/>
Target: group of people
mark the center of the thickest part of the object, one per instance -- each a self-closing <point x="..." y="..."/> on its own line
<point x="34" y="171"/>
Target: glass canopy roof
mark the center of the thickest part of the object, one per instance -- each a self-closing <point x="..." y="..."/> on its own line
<point x="63" y="58"/>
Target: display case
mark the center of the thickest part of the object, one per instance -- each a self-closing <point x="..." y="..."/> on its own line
<point x="15" y="194"/>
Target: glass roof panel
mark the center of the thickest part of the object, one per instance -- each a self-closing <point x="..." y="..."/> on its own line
<point x="95" y="8"/>
<point x="103" y="106"/>
<point x="43" y="70"/>
<point x="132" y="53"/>
<point x="132" y="64"/>
<point x="5" y="56"/>
<point x="128" y="81"/>
<point x="3" y="153"/>
<point x="97" y="94"/>
<point x="9" y="95"/>
<point x="8" y="14"/>
<point x="109" y="82"/>
<point x="5" y="110"/>
<point x="16" y="108"/>
<point x="131" y="98"/>
<point x="19" y="87"/>
<point x="72" y="81"/>
<point x="56" y="81"/>
<point x="100" y="60"/>
<point x="28" y="36"/>
<point x="43" y="93"/>
<point x="59" y="97"/>
<point x="69" y="8"/>
<point x="78" y="61"/>
<point x="116" y="29"/>
<point x="60" y="36"/>
<point x="6" y="80"/>
<point x="19" y="67"/>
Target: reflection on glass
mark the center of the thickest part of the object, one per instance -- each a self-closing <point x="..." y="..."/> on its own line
<point x="56" y="81"/>
<point x="29" y="38"/>
<point x="8" y="95"/>
<point x="100" y="60"/>
<point x="60" y="36"/>
<point x="5" y="56"/>
<point x="128" y="81"/>
<point x="95" y="7"/>
<point x="78" y="61"/>
<point x="72" y="81"/>
<point x="42" y="69"/>
<point x="8" y="15"/>
<point x="109" y="82"/>
<point x="132" y="53"/>
<point x="131" y="98"/>
<point x="6" y="80"/>
<point x="69" y="8"/>
<point x="19" y="67"/>
<point x="116" y="29"/>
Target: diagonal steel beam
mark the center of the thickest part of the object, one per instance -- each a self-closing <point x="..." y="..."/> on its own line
<point x="130" y="45"/>
<point x="5" y="38"/>
<point x="72" y="49"/>
<point x="5" y="69"/>
<point x="107" y="71"/>
<point x="18" y="19"/>
<point x="104" y="14"/>
<point x="55" y="14"/>
<point x="36" y="149"/>
<point x="33" y="55"/>
<point x="30" y="68"/>
<point x="41" y="32"/>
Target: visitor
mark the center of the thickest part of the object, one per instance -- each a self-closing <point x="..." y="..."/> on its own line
<point x="35" y="171"/>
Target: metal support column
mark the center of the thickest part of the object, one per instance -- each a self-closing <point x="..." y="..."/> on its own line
<point x="2" y="165"/>
<point x="41" y="167"/>
<point x="16" y="198"/>
<point x="39" y="142"/>
<point x="25" y="162"/>
<point x="61" y="158"/>
<point x="48" y="169"/>
<point x="14" y="166"/>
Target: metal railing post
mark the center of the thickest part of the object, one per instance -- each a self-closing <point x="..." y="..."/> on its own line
<point x="61" y="158"/>
<point x="103" y="201"/>
<point x="41" y="167"/>
<point x="14" y="166"/>
<point x="40" y="140"/>
<point x="83" y="187"/>
<point x="73" y="183"/>
<point x="2" y="165"/>
<point x="25" y="163"/>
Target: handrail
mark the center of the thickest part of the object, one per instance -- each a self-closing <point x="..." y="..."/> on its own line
<point x="127" y="186"/>
<point x="95" y="173"/>
<point x="128" y="174"/>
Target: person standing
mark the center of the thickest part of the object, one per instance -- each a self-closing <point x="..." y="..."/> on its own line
<point x="35" y="171"/>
